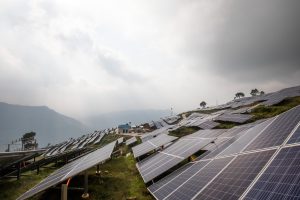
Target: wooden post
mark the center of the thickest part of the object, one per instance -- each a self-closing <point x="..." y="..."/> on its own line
<point x="64" y="192"/>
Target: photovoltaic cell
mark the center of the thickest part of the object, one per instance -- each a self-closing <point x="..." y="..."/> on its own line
<point x="190" y="188"/>
<point x="71" y="169"/>
<point x="236" y="177"/>
<point x="152" y="188"/>
<point x="278" y="131"/>
<point x="170" y="186"/>
<point x="171" y="156"/>
<point x="281" y="180"/>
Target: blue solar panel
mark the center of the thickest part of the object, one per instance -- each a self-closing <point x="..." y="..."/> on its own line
<point x="189" y="189"/>
<point x="237" y="176"/>
<point x="278" y="131"/>
<point x="281" y="180"/>
<point x="169" y="187"/>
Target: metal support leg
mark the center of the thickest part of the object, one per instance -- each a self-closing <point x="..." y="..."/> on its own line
<point x="86" y="195"/>
<point x="19" y="171"/>
<point x="64" y="192"/>
<point x="98" y="170"/>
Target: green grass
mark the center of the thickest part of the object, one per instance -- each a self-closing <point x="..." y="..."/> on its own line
<point x="262" y="112"/>
<point x="119" y="180"/>
<point x="183" y="131"/>
<point x="225" y="125"/>
<point x="13" y="188"/>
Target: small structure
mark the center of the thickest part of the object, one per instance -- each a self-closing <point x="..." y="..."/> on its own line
<point x="124" y="128"/>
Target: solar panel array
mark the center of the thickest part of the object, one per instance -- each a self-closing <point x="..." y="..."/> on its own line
<point x="171" y="156"/>
<point x="239" y="169"/>
<point x="152" y="144"/>
<point x="131" y="141"/>
<point x="72" y="144"/>
<point x="72" y="169"/>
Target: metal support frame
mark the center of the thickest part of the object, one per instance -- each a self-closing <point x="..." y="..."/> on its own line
<point x="86" y="195"/>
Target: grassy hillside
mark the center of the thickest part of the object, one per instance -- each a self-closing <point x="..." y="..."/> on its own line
<point x="119" y="180"/>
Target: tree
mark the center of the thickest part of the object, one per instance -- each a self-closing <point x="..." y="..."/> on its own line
<point x="262" y="92"/>
<point x="239" y="95"/>
<point x="28" y="141"/>
<point x="203" y="104"/>
<point x="254" y="92"/>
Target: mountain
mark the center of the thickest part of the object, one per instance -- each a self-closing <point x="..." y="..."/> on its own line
<point x="50" y="126"/>
<point x="113" y="119"/>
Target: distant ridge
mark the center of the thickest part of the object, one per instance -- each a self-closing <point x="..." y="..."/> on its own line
<point x="50" y="126"/>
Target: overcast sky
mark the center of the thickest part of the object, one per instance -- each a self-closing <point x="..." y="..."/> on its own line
<point x="86" y="57"/>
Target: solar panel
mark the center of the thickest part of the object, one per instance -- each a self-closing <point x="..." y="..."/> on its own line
<point x="152" y="144"/>
<point x="209" y="124"/>
<point x="198" y="180"/>
<point x="72" y="169"/>
<point x="281" y="180"/>
<point x="171" y="156"/>
<point x="278" y="131"/>
<point x="173" y="184"/>
<point x="148" y="136"/>
<point x="245" y="138"/>
<point x="120" y="140"/>
<point x="131" y="141"/>
<point x="154" y="187"/>
<point x="238" y="118"/>
<point x="236" y="177"/>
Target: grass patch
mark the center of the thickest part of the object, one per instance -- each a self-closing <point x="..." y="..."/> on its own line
<point x="13" y="188"/>
<point x="225" y="125"/>
<point x="183" y="131"/>
<point x="262" y="112"/>
<point x="187" y="114"/>
<point x="119" y="180"/>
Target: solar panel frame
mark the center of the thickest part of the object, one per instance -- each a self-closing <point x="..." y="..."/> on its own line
<point x="71" y="169"/>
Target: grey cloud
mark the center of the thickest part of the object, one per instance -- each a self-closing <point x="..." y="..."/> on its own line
<point x="117" y="68"/>
<point x="254" y="40"/>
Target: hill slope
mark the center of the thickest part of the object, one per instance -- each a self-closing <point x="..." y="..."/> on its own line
<point x="50" y="126"/>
